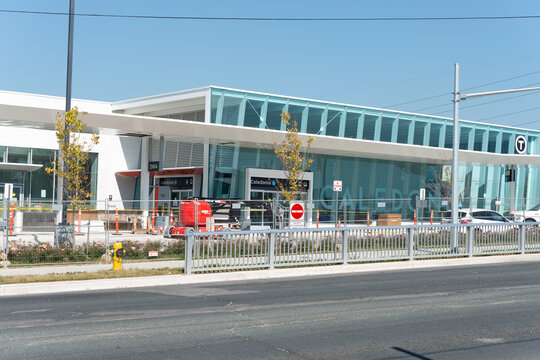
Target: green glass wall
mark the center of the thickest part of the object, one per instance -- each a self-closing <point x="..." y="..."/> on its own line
<point x="314" y="117"/>
<point x="369" y="178"/>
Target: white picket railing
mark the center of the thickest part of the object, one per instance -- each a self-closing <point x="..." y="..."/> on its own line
<point x="225" y="250"/>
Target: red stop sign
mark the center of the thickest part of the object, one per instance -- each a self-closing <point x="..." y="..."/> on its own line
<point x="297" y="211"/>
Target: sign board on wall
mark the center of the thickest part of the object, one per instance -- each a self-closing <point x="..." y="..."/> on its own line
<point x="520" y="144"/>
<point x="177" y="183"/>
<point x="338" y="185"/>
<point x="261" y="183"/>
<point x="296" y="214"/>
<point x="153" y="166"/>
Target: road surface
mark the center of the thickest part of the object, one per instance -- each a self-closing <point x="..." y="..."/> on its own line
<point x="473" y="312"/>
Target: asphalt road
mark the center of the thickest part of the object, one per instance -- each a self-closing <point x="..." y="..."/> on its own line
<point x="487" y="312"/>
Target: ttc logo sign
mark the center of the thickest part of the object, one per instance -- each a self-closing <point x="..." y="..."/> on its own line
<point x="520" y="144"/>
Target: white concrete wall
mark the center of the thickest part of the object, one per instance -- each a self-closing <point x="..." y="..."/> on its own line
<point x="32" y="138"/>
<point x="116" y="154"/>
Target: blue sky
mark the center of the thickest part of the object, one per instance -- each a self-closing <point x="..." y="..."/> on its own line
<point x="378" y="64"/>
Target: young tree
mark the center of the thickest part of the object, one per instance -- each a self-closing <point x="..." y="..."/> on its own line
<point x="438" y="180"/>
<point x="293" y="160"/>
<point x="74" y="156"/>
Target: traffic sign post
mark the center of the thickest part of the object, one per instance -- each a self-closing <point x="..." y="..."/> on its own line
<point x="338" y="186"/>
<point x="296" y="214"/>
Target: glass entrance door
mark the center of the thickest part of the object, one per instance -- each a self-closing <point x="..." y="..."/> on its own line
<point x="178" y="195"/>
<point x="16" y="196"/>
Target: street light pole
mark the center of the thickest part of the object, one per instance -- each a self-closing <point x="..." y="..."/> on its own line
<point x="455" y="160"/>
<point x="62" y="182"/>
<point x="455" y="146"/>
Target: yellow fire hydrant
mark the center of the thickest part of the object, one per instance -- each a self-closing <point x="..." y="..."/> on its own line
<point x="117" y="252"/>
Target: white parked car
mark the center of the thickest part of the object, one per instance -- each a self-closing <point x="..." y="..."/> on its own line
<point x="476" y="216"/>
<point x="532" y="215"/>
<point x="484" y="217"/>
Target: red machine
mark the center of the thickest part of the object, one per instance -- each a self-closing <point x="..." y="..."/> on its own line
<point x="226" y="215"/>
<point x="192" y="214"/>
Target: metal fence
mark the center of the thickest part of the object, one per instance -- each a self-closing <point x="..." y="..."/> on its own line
<point x="32" y="232"/>
<point x="226" y="250"/>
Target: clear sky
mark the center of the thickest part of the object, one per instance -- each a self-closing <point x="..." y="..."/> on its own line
<point x="372" y="63"/>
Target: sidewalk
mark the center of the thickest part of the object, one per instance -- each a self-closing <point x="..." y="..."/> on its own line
<point x="127" y="283"/>
<point x="74" y="268"/>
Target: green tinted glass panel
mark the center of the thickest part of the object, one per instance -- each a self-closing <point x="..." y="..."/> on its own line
<point x="314" y="120"/>
<point x="434" y="134"/>
<point x="332" y="123"/>
<point x="505" y="143"/>
<point x="478" y="139"/>
<point x="492" y="141"/>
<point x="351" y="125"/>
<point x="448" y="137"/>
<point x="386" y="129"/>
<point x="369" y="127"/>
<point x="231" y="108"/>
<point x="419" y="130"/>
<point x="252" y="116"/>
<point x="273" y="115"/>
<point x="403" y="131"/>
<point x="18" y="155"/>
<point x="464" y="138"/>
<point x="296" y="113"/>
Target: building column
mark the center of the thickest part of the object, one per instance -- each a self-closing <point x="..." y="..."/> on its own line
<point x="161" y="152"/>
<point x="145" y="177"/>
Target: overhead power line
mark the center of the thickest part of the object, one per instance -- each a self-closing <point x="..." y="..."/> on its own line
<point x="447" y="94"/>
<point x="503" y="80"/>
<point x="236" y="18"/>
<point x="417" y="100"/>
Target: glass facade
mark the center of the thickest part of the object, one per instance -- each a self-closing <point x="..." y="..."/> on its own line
<point x="313" y="117"/>
<point x="36" y="185"/>
<point x="396" y="182"/>
<point x="365" y="178"/>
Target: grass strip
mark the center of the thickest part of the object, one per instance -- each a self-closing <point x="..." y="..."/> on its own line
<point x="102" y="274"/>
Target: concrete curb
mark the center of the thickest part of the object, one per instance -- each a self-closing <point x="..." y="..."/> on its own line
<point x="127" y="283"/>
<point x="65" y="269"/>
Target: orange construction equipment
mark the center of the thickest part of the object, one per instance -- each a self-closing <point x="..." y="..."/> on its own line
<point x="414" y="217"/>
<point x="11" y="217"/>
<point x="431" y="220"/>
<point x="368" y="218"/>
<point x="171" y="222"/>
<point x="187" y="213"/>
<point x="317" y="218"/>
<point x="153" y="219"/>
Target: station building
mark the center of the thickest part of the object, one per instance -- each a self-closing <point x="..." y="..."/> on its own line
<point x="218" y="142"/>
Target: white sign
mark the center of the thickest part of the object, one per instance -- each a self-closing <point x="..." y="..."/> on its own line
<point x="337" y="185"/>
<point x="446" y="175"/>
<point x="520" y="144"/>
<point x="43" y="193"/>
<point x="296" y="214"/>
<point x="8" y="191"/>
<point x="152" y="253"/>
<point x="422" y="194"/>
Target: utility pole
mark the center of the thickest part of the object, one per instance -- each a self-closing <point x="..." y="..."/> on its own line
<point x="455" y="147"/>
<point x="455" y="162"/>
